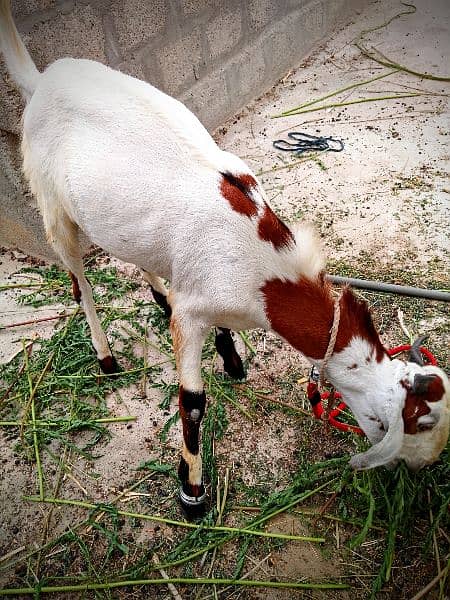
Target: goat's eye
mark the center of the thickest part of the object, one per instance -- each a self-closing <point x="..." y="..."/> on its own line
<point x="424" y="426"/>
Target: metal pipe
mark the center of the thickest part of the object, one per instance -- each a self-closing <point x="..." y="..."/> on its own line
<point x="390" y="288"/>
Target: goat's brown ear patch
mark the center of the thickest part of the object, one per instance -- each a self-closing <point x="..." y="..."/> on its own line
<point x="416" y="402"/>
<point x="237" y="190"/>
<point x="272" y="229"/>
<point x="429" y="386"/>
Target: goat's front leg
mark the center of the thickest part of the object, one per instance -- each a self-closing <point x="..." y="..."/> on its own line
<point x="188" y="337"/>
<point x="232" y="362"/>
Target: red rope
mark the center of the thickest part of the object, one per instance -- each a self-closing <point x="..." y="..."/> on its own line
<point x="318" y="410"/>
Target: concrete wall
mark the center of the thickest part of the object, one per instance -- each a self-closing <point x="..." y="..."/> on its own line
<point x="214" y="55"/>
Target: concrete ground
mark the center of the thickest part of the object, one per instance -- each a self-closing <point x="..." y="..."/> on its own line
<point x="387" y="193"/>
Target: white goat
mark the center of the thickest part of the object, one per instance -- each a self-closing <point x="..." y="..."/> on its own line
<point x="136" y="171"/>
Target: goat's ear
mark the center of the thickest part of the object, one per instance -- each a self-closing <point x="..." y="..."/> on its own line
<point x="429" y="385"/>
<point x="387" y="450"/>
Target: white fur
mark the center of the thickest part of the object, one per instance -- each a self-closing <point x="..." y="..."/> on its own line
<point x="376" y="396"/>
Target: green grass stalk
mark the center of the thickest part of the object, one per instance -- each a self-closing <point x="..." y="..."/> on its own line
<point x="13" y="286"/>
<point x="118" y="374"/>
<point x="349" y="103"/>
<point x="236" y="530"/>
<point x="218" y="391"/>
<point x="41" y="423"/>
<point x="175" y="580"/>
<point x="286" y="113"/>
<point x="377" y="56"/>
<point x="33" y="414"/>
<point x="231" y="536"/>
<point x="244" y="338"/>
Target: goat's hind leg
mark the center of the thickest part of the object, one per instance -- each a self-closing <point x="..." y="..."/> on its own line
<point x="62" y="233"/>
<point x="159" y="291"/>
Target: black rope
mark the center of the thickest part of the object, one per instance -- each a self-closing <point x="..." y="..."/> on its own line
<point x="304" y="142"/>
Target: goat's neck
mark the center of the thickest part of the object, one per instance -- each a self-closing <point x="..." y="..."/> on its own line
<point x="302" y="313"/>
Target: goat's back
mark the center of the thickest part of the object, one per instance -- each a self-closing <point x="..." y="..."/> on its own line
<point x="140" y="175"/>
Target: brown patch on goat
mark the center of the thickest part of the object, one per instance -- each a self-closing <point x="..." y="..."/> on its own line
<point x="416" y="403"/>
<point x="302" y="313"/>
<point x="108" y="365"/>
<point x="435" y="389"/>
<point x="272" y="229"/>
<point x="237" y="190"/>
<point x="414" y="408"/>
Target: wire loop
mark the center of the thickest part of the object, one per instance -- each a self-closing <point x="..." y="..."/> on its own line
<point x="304" y="142"/>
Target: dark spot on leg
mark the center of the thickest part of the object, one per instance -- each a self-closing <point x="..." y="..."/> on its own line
<point x="109" y="365"/>
<point x="76" y="292"/>
<point x="195" y="491"/>
<point x="161" y="300"/>
<point x="192" y="408"/>
<point x="232" y="362"/>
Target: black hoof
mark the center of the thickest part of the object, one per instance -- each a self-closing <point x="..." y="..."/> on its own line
<point x="194" y="507"/>
<point x="234" y="367"/>
<point x="109" y="365"/>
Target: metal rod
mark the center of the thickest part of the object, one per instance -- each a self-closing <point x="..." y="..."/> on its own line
<point x="390" y="288"/>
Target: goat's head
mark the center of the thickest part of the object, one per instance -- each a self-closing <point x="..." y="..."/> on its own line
<point x="418" y="421"/>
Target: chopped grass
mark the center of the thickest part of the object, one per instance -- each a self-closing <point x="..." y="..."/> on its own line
<point x="59" y="379"/>
<point x="51" y="284"/>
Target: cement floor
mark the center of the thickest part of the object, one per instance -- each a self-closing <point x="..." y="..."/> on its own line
<point x="387" y="193"/>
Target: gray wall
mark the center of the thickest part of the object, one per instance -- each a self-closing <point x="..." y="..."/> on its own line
<point x="213" y="55"/>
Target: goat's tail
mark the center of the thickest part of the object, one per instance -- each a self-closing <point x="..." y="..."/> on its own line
<point x="20" y="64"/>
